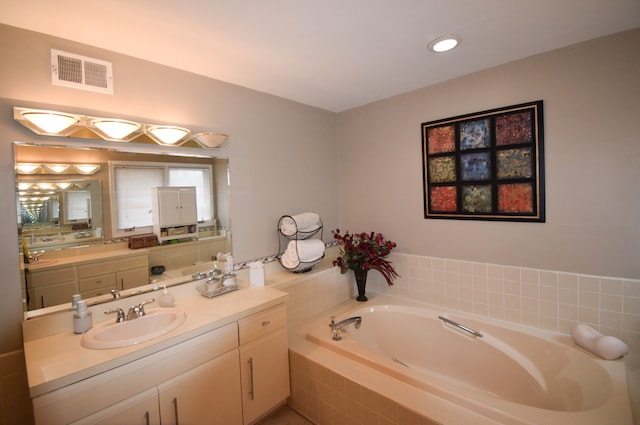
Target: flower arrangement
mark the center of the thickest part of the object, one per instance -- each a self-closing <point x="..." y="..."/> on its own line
<point x="365" y="251"/>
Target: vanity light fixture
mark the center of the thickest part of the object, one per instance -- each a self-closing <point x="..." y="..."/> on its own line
<point x="57" y="168"/>
<point x="24" y="185"/>
<point x="86" y="168"/>
<point x="212" y="140"/>
<point x="25" y="168"/>
<point x="50" y="123"/>
<point x="168" y="135"/>
<point x="114" y="129"/>
<point x="54" y="123"/>
<point x="445" y="43"/>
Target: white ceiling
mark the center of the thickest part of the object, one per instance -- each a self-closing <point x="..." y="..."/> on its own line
<point x="332" y="54"/>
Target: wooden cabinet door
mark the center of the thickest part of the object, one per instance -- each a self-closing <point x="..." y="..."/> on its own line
<point x="141" y="409"/>
<point x="57" y="293"/>
<point x="206" y="395"/>
<point x="265" y="374"/>
<point x="128" y="279"/>
<point x="188" y="206"/>
<point x="176" y="206"/>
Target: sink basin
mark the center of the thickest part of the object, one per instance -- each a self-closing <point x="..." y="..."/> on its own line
<point x="154" y="323"/>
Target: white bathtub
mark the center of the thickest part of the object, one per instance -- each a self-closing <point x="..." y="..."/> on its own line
<point x="511" y="375"/>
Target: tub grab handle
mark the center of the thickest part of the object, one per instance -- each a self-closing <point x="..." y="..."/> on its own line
<point x="460" y="326"/>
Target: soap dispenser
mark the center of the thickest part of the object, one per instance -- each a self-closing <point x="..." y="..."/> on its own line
<point x="229" y="278"/>
<point x="166" y="299"/>
<point x="256" y="273"/>
<point x="82" y="320"/>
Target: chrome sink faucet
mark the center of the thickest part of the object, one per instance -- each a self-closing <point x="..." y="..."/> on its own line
<point x="121" y="317"/>
<point x="337" y="327"/>
<point x="135" y="311"/>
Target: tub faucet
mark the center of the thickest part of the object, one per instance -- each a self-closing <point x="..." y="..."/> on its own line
<point x="337" y="327"/>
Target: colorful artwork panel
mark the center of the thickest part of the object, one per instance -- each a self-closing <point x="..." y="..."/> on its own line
<point x="514" y="163"/>
<point x="442" y="169"/>
<point x="513" y="129"/>
<point x="515" y="198"/>
<point x="444" y="198"/>
<point x="475" y="134"/>
<point x="475" y="166"/>
<point x="442" y="139"/>
<point x="486" y="165"/>
<point x="477" y="199"/>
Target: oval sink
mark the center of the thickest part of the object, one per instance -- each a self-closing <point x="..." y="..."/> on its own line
<point x="154" y="323"/>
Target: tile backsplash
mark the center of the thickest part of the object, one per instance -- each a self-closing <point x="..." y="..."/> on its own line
<point x="545" y="299"/>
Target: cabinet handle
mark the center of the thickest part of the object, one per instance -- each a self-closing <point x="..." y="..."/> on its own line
<point x="266" y="323"/>
<point x="250" y="377"/>
<point x="42" y="300"/>
<point x="146" y="418"/>
<point x="175" y="409"/>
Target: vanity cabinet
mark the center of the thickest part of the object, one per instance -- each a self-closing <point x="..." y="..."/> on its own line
<point x="200" y="373"/>
<point x="175" y="214"/>
<point x="56" y="284"/>
<point x="264" y="361"/>
<point x="52" y="286"/>
<point x="232" y="375"/>
<point x="121" y="273"/>
<point x="206" y="395"/>
<point x="141" y="409"/>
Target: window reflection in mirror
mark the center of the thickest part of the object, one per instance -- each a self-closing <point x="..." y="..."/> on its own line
<point x="67" y="210"/>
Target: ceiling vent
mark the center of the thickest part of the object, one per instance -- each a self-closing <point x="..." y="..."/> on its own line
<point x="81" y="72"/>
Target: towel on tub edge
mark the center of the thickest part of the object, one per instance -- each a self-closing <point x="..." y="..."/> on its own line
<point x="607" y="347"/>
<point x="305" y="222"/>
<point x="302" y="251"/>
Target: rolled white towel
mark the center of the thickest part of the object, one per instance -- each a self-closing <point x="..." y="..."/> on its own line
<point x="607" y="347"/>
<point x="302" y="251"/>
<point x="305" y="222"/>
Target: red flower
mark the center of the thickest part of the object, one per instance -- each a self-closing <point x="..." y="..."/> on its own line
<point x="365" y="251"/>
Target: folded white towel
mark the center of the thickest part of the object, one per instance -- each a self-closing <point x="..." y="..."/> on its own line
<point x="607" y="347"/>
<point x="305" y="222"/>
<point x="304" y="251"/>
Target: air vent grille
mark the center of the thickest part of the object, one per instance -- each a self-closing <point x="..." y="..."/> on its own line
<point x="81" y="72"/>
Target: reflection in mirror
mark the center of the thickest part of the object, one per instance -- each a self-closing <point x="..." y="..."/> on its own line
<point x="58" y="213"/>
<point x="71" y="241"/>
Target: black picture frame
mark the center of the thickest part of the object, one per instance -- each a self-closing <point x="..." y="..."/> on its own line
<point x="485" y="165"/>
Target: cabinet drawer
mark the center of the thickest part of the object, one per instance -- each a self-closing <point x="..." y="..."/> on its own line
<point x="260" y="324"/>
<point x="48" y="277"/>
<point x="99" y="267"/>
<point x="107" y="280"/>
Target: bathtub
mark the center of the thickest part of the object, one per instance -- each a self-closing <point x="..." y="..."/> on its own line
<point x="508" y="375"/>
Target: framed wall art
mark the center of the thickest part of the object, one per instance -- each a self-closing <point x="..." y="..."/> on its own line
<point x="485" y="166"/>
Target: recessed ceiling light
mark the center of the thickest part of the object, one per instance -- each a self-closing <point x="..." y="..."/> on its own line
<point x="444" y="43"/>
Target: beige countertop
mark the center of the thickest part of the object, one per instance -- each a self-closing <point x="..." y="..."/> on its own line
<point x="51" y="261"/>
<point x="57" y="360"/>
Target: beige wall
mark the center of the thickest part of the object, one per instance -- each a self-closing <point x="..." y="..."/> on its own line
<point x="281" y="153"/>
<point x="591" y="96"/>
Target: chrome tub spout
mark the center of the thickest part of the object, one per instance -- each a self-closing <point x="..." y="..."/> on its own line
<point x="337" y="327"/>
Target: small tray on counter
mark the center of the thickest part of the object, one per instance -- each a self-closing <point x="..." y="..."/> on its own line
<point x="211" y="292"/>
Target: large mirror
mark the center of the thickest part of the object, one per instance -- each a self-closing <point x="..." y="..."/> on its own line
<point x="76" y="200"/>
